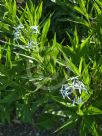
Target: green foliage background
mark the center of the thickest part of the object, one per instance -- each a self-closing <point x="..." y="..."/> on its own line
<point x="34" y="66"/>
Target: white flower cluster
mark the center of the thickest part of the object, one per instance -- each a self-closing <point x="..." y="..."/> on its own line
<point x="73" y="87"/>
<point x="31" y="43"/>
<point x="17" y="33"/>
<point x="18" y="29"/>
<point x="33" y="30"/>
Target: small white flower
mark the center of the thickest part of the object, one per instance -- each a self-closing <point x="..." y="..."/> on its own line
<point x="30" y="61"/>
<point x="31" y="44"/>
<point x="66" y="91"/>
<point x="73" y="102"/>
<point x="35" y="29"/>
<point x="17" y="35"/>
<point x="79" y="100"/>
<point x="53" y="112"/>
<point x="74" y="86"/>
<point x="19" y="27"/>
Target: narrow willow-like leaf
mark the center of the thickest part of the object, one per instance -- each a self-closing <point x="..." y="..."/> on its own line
<point x="0" y="53"/>
<point x="45" y="30"/>
<point x="8" y="58"/>
<point x="68" y="64"/>
<point x="39" y="12"/>
<point x="60" y="101"/>
<point x="14" y="9"/>
<point x="81" y="65"/>
<point x="84" y="45"/>
<point x="92" y="111"/>
<point x="88" y="126"/>
<point x="67" y="124"/>
<point x="85" y="74"/>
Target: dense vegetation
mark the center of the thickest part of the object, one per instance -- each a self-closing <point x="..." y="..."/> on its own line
<point x="51" y="64"/>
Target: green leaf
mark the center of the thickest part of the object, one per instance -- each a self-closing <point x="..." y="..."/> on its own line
<point x="46" y="121"/>
<point x="68" y="123"/>
<point x="30" y="13"/>
<point x="75" y="40"/>
<point x="92" y="111"/>
<point x="60" y="101"/>
<point x="85" y="73"/>
<point x="94" y="130"/>
<point x="14" y="9"/>
<point x="80" y="112"/>
<point x="98" y="100"/>
<point x="38" y="13"/>
<point x="68" y="64"/>
<point x="83" y="47"/>
<point x="84" y="128"/>
<point x="11" y="97"/>
<point x="88" y="126"/>
<point x="97" y="8"/>
<point x="0" y="53"/>
<point x="45" y="31"/>
<point x="8" y="58"/>
<point x="70" y="38"/>
<point x="80" y="65"/>
<point x="68" y="51"/>
<point x="78" y="9"/>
